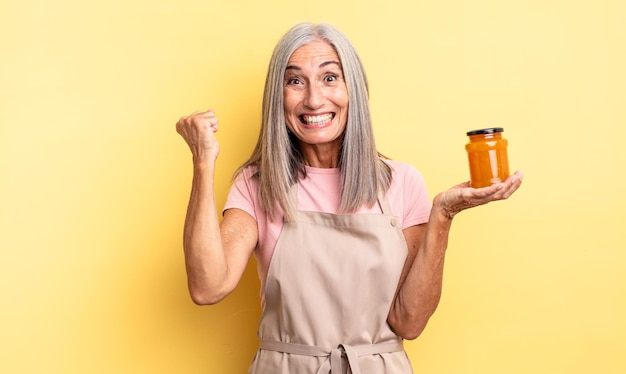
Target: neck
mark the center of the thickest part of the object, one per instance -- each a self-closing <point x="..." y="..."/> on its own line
<point x="321" y="155"/>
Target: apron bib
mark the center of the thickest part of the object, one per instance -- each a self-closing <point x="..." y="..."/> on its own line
<point x="328" y="292"/>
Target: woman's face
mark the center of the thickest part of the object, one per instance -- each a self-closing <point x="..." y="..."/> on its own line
<point x="316" y="96"/>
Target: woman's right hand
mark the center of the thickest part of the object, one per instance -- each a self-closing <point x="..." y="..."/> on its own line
<point x="198" y="129"/>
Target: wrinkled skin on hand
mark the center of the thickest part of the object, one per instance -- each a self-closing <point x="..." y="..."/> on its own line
<point x="198" y="129"/>
<point x="462" y="196"/>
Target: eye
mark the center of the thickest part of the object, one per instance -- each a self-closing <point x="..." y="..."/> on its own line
<point x="331" y="78"/>
<point x="293" y="81"/>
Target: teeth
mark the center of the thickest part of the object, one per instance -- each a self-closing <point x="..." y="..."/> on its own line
<point x="313" y="120"/>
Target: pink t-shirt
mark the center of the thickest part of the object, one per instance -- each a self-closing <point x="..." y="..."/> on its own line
<point x="320" y="192"/>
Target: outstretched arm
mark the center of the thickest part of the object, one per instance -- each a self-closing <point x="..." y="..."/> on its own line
<point x="419" y="290"/>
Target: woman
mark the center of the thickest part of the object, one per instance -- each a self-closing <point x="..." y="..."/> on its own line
<point x="350" y="250"/>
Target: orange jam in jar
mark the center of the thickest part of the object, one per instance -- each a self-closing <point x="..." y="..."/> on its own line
<point x="487" y="155"/>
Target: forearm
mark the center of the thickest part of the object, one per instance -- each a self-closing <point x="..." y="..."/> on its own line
<point x="419" y="294"/>
<point x="419" y="290"/>
<point x="205" y="260"/>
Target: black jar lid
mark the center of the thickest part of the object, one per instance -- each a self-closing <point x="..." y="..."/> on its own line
<point x="489" y="130"/>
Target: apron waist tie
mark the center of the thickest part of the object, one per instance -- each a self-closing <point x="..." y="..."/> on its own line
<point x="333" y="364"/>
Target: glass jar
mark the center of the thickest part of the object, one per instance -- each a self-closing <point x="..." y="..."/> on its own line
<point x="487" y="155"/>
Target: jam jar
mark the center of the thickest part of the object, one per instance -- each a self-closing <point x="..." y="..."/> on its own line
<point x="487" y="155"/>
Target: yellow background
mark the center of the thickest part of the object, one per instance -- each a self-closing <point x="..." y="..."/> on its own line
<point x="95" y="180"/>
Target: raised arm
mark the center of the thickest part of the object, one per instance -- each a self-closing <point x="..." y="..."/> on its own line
<point x="419" y="290"/>
<point x="216" y="254"/>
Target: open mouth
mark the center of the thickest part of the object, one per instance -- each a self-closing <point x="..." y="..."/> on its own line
<point x="317" y="120"/>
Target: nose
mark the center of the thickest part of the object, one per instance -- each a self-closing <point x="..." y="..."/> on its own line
<point x="314" y="98"/>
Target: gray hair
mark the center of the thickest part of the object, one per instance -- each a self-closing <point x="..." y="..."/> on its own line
<point x="364" y="174"/>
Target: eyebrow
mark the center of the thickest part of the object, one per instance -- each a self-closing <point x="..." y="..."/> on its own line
<point x="323" y="64"/>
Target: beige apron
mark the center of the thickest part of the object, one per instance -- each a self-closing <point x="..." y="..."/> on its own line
<point x="329" y="288"/>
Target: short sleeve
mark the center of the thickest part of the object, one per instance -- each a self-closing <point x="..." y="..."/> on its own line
<point x="242" y="194"/>
<point x="418" y="205"/>
<point x="408" y="194"/>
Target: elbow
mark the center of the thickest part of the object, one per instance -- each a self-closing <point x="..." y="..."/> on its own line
<point x="202" y="300"/>
<point x="407" y="327"/>
<point x="409" y="331"/>
<point x="203" y="297"/>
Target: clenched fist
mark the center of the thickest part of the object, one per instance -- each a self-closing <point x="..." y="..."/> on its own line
<point x="198" y="129"/>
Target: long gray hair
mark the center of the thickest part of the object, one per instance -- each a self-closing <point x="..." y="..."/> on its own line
<point x="277" y="153"/>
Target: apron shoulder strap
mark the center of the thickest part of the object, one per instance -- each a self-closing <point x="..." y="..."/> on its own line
<point x="384" y="204"/>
